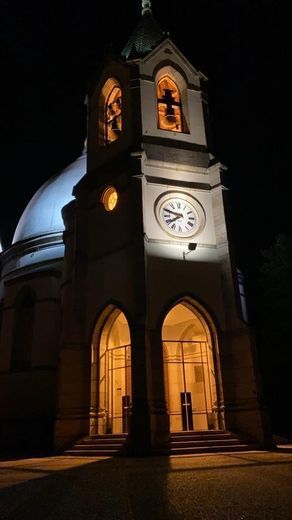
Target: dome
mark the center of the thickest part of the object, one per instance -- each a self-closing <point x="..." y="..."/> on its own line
<point x="42" y="216"/>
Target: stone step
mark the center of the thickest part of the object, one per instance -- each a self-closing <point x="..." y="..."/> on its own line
<point x="89" y="446"/>
<point x="181" y="443"/>
<point x="203" y="433"/>
<point x="121" y="436"/>
<point x="91" y="453"/>
<point x="206" y="441"/>
<point x="203" y="437"/>
<point x="98" y="445"/>
<point x="211" y="449"/>
<point x="101" y="441"/>
<point x="214" y="442"/>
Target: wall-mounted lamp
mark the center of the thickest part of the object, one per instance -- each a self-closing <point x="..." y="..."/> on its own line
<point x="191" y="247"/>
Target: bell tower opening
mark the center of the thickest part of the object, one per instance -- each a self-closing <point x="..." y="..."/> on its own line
<point x="113" y="115"/>
<point x="110" y="112"/>
<point x="169" y="105"/>
<point x="189" y="373"/>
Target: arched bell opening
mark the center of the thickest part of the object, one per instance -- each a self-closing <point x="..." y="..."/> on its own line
<point x="169" y="105"/>
<point x="110" y="112"/>
<point x="172" y="100"/>
<point x="191" y="379"/>
<point x="111" y="382"/>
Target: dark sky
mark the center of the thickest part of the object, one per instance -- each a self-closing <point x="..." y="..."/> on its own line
<point x="49" y="51"/>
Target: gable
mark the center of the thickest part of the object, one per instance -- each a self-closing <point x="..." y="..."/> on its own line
<point x="168" y="53"/>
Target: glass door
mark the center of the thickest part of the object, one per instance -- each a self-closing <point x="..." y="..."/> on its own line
<point x="118" y="402"/>
<point x="114" y="376"/>
<point x="188" y="385"/>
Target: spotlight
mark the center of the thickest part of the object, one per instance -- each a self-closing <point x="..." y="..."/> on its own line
<point x="191" y="247"/>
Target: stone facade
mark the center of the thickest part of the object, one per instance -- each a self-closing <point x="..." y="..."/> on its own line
<point x="126" y="260"/>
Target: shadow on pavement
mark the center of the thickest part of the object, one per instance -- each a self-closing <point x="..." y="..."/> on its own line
<point x="72" y="488"/>
<point x="95" y="489"/>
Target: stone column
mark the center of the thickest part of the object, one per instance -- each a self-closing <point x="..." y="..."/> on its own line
<point x="72" y="420"/>
<point x="139" y="436"/>
<point x="158" y="408"/>
<point x="74" y="365"/>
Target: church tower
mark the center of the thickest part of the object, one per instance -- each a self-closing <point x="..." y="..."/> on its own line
<point x="153" y="337"/>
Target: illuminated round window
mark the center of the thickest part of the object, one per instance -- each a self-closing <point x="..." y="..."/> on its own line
<point x="109" y="198"/>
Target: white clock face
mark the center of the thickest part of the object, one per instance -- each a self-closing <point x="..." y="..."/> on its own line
<point x="178" y="217"/>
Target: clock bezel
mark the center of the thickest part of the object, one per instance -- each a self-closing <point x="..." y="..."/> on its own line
<point x="195" y="205"/>
<point x="105" y="198"/>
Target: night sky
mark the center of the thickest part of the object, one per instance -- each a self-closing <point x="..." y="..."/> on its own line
<point x="49" y="53"/>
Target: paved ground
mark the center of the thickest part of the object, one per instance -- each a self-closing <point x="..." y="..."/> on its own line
<point x="242" y="486"/>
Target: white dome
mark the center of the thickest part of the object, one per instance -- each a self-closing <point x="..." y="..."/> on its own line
<point x="42" y="215"/>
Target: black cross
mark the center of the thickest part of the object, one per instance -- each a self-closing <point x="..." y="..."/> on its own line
<point x="168" y="100"/>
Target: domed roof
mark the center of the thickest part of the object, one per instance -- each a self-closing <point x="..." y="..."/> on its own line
<point x="42" y="215"/>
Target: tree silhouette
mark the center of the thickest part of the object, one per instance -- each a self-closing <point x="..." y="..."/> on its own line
<point x="274" y="330"/>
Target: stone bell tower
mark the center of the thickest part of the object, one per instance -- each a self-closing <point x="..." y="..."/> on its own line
<point x="153" y="336"/>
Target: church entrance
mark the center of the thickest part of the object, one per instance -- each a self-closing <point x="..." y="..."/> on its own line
<point x="114" y="375"/>
<point x="189" y="374"/>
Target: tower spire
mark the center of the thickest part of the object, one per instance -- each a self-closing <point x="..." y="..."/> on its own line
<point x="146" y="35"/>
<point x="146" y="7"/>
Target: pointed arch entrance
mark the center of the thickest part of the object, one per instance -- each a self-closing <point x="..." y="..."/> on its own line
<point x="111" y="387"/>
<point x="189" y="370"/>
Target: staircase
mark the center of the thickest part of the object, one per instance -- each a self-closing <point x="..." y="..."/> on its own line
<point x="181" y="443"/>
<point x="108" y="445"/>
<point x="210" y="441"/>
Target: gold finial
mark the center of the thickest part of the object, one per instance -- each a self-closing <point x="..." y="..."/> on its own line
<point x="146" y="7"/>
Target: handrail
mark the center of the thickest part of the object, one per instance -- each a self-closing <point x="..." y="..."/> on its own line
<point x="183" y="341"/>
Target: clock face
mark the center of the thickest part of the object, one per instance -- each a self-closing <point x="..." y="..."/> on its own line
<point x="178" y="216"/>
<point x="109" y="198"/>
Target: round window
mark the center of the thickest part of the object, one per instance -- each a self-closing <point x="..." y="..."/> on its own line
<point x="109" y="198"/>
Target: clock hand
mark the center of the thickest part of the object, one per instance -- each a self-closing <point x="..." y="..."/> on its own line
<point x="173" y="212"/>
<point x="173" y="219"/>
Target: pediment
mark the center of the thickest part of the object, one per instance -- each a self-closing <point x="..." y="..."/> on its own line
<point x="168" y="51"/>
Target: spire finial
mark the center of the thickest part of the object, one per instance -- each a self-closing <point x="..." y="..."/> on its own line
<point x="146" y="7"/>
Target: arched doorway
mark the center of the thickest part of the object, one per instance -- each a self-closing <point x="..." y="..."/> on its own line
<point x="111" y="374"/>
<point x="189" y="374"/>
